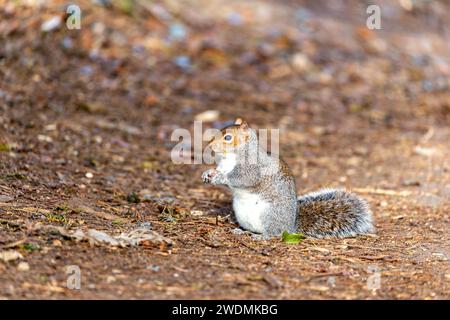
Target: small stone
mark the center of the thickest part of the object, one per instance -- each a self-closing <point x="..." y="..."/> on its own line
<point x="51" y="24"/>
<point x="50" y="127"/>
<point x="89" y="175"/>
<point x="318" y="130"/>
<point x="44" y="138"/>
<point x="23" y="266"/>
<point x="208" y="116"/>
<point x="177" y="32"/>
<point x="67" y="43"/>
<point x="423" y="151"/>
<point x="154" y="268"/>
<point x="354" y="161"/>
<point x="10" y="255"/>
<point x="235" y="19"/>
<point x="145" y="225"/>
<point x="4" y="198"/>
<point x="301" y="62"/>
<point x="184" y="62"/>
<point x="331" y="282"/>
<point x="238" y="231"/>
<point x="145" y="192"/>
<point x="411" y="183"/>
<point x="197" y="213"/>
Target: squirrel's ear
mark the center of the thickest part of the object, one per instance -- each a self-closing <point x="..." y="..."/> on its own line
<point x="241" y="123"/>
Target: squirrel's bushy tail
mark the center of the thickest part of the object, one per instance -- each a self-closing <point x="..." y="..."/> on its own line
<point x="334" y="213"/>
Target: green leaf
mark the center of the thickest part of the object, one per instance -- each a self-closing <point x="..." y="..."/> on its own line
<point x="133" y="198"/>
<point x="292" y="238"/>
<point x="13" y="175"/>
<point x="4" y="147"/>
<point x="29" y="247"/>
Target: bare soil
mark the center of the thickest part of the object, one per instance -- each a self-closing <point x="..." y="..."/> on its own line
<point x="86" y="118"/>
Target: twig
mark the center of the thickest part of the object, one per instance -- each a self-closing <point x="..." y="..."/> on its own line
<point x="262" y="252"/>
<point x="364" y="247"/>
<point x="14" y="244"/>
<point x="427" y="136"/>
<point x="11" y="223"/>
<point x="385" y="258"/>
<point x="386" y="192"/>
<point x="326" y="274"/>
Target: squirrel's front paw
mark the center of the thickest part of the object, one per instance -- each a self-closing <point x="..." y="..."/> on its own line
<point x="209" y="175"/>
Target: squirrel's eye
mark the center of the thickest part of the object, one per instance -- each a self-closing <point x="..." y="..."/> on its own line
<point x="227" y="137"/>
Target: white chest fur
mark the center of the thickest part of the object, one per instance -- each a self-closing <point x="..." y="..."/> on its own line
<point x="249" y="208"/>
<point x="227" y="163"/>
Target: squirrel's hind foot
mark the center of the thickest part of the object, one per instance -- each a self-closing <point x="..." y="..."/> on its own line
<point x="254" y="236"/>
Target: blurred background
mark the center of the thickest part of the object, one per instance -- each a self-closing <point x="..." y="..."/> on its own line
<point x="136" y="70"/>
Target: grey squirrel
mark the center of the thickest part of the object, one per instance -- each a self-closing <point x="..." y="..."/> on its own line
<point x="264" y="192"/>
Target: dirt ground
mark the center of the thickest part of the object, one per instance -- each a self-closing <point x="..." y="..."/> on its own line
<point x="86" y="118"/>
